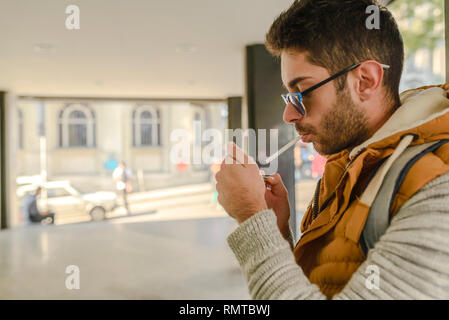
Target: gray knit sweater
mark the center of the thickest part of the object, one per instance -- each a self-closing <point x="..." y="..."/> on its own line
<point x="411" y="260"/>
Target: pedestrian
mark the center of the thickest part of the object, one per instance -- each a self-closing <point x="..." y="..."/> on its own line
<point x="383" y="201"/>
<point x="34" y="214"/>
<point x="122" y="177"/>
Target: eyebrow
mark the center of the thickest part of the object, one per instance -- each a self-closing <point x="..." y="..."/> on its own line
<point x="294" y="82"/>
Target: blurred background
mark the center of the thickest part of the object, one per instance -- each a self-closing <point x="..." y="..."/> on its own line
<point x="86" y="119"/>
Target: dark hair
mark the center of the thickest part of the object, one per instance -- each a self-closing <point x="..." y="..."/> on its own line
<point x="334" y="35"/>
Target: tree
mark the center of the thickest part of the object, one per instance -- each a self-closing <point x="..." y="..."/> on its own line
<point x="421" y="23"/>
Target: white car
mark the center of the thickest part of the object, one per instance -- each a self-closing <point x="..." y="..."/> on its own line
<point x="63" y="199"/>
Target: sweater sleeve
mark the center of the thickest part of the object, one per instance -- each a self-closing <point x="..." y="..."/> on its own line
<point x="411" y="258"/>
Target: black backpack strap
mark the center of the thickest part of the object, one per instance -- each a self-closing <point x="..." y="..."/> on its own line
<point x="379" y="216"/>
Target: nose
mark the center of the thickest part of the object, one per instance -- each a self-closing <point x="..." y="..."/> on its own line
<point x="291" y="114"/>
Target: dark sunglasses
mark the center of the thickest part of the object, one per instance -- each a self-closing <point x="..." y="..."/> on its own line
<point x="296" y="98"/>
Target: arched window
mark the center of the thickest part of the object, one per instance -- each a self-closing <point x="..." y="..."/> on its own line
<point x="76" y="126"/>
<point x="146" y="126"/>
<point x="20" y="128"/>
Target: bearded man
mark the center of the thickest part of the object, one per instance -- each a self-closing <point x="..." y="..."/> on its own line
<point x="382" y="205"/>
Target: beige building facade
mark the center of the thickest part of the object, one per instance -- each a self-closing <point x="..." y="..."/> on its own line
<point x="81" y="141"/>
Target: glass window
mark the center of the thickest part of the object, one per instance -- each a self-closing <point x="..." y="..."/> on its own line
<point x="77" y="129"/>
<point x="146" y="126"/>
<point x="76" y="126"/>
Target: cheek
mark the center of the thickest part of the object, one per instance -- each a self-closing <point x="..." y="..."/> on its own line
<point x="312" y="122"/>
<point x="321" y="104"/>
<point x="319" y="107"/>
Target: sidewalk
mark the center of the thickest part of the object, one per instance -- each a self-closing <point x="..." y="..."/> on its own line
<point x="171" y="192"/>
<point x="177" y="259"/>
<point x="164" y="204"/>
<point x="184" y="202"/>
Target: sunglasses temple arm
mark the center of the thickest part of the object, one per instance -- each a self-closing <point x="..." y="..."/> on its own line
<point x="330" y="78"/>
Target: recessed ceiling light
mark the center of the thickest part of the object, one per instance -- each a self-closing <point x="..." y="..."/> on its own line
<point x="43" y="48"/>
<point x="186" y="48"/>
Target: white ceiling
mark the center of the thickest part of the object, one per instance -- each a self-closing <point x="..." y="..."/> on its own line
<point x="129" y="48"/>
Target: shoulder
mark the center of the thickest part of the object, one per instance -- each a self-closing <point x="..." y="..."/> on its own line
<point x="412" y="256"/>
<point x="417" y="238"/>
<point x="433" y="196"/>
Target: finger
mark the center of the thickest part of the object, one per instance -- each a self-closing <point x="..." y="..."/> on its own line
<point x="230" y="160"/>
<point x="275" y="182"/>
<point x="239" y="155"/>
<point x="218" y="176"/>
<point x="227" y="160"/>
<point x="235" y="153"/>
<point x="274" y="179"/>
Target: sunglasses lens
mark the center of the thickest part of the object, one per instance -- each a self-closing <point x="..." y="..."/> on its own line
<point x="298" y="104"/>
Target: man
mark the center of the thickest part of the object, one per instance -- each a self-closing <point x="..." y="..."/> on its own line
<point x="122" y="177"/>
<point x="33" y="211"/>
<point x="358" y="120"/>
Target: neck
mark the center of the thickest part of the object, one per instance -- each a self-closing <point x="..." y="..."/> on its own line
<point x="377" y="122"/>
<point x="388" y="111"/>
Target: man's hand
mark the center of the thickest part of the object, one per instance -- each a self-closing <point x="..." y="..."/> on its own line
<point x="277" y="199"/>
<point x="240" y="187"/>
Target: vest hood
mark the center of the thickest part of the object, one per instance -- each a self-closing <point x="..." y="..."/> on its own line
<point x="419" y="107"/>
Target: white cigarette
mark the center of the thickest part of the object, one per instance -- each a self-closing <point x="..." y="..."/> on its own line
<point x="283" y="149"/>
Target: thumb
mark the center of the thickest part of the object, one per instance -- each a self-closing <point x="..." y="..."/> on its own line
<point x="276" y="184"/>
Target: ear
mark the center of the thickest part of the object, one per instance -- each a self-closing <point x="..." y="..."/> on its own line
<point x="367" y="79"/>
